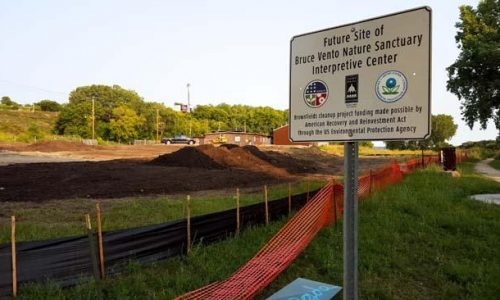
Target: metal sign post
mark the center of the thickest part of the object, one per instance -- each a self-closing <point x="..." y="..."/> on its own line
<point x="350" y="220"/>
<point x="365" y="81"/>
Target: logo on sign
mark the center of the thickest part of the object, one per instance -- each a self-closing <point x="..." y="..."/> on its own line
<point x="351" y="89"/>
<point x="316" y="93"/>
<point x="391" y="86"/>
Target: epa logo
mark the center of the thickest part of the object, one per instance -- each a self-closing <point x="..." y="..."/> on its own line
<point x="391" y="86"/>
<point x="316" y="93"/>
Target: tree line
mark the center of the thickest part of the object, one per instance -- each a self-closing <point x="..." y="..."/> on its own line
<point x="122" y="115"/>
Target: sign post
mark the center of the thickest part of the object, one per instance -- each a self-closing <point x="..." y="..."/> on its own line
<point x="365" y="81"/>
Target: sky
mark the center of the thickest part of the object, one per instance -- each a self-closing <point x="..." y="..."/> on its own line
<point x="235" y="52"/>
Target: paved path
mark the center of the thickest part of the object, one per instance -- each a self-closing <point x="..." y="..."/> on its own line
<point x="484" y="168"/>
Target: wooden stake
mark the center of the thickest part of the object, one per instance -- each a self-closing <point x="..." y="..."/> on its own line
<point x="93" y="258"/>
<point x="99" y="239"/>
<point x="266" y="205"/>
<point x="188" y="219"/>
<point x="13" y="255"/>
<point x="237" y="211"/>
<point x="289" y="198"/>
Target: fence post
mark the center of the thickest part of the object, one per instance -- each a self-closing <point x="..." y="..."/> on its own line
<point x="93" y="257"/>
<point x="289" y="198"/>
<point x="237" y="211"/>
<point x="13" y="256"/>
<point x="266" y="205"/>
<point x="188" y="220"/>
<point x="99" y="239"/>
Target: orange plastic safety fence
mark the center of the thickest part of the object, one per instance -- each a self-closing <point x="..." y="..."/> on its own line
<point x="276" y="255"/>
<point x="323" y="209"/>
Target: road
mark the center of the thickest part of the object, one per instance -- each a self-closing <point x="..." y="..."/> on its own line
<point x="484" y="168"/>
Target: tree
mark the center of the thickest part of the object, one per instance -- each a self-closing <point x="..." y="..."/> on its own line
<point x="7" y="101"/>
<point x="76" y="116"/>
<point x="475" y="76"/>
<point x="443" y="129"/>
<point x="124" y="124"/>
<point x="49" y="105"/>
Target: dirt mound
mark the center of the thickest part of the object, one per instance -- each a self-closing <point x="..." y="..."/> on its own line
<point x="55" y="146"/>
<point x="282" y="160"/>
<point x="229" y="146"/>
<point x="211" y="157"/>
<point x="203" y="157"/>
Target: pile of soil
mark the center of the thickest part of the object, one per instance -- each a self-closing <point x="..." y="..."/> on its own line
<point x="282" y="160"/>
<point x="203" y="157"/>
<point x="56" y="146"/>
<point x="211" y="157"/>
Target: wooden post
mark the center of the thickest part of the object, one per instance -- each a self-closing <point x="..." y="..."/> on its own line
<point x="237" y="211"/>
<point x="157" y="126"/>
<point x="13" y="256"/>
<point x="93" y="258"/>
<point x="289" y="198"/>
<point x="266" y="205"/>
<point x="99" y="237"/>
<point x="188" y="220"/>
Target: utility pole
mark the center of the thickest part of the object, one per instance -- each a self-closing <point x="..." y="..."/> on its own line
<point x="189" y="100"/>
<point x="93" y="118"/>
<point x="157" y="126"/>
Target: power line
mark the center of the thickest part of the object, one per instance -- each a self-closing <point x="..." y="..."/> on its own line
<point x="32" y="87"/>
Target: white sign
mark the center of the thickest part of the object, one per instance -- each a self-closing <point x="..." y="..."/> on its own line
<point x="368" y="80"/>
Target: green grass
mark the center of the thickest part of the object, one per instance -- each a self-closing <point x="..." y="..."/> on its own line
<point x="495" y="163"/>
<point x="59" y="218"/>
<point x="15" y="125"/>
<point x="421" y="239"/>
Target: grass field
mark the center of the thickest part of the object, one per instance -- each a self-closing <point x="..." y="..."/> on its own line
<point x="23" y="126"/>
<point x="421" y="239"/>
<point x="495" y="163"/>
<point x="59" y="218"/>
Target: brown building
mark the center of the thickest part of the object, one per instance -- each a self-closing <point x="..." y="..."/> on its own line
<point x="234" y="137"/>
<point x="280" y="137"/>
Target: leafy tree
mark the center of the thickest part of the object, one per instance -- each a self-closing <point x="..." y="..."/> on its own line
<point x="49" y="105"/>
<point x="475" y="76"/>
<point x="7" y="101"/>
<point x="124" y="124"/>
<point x="443" y="129"/>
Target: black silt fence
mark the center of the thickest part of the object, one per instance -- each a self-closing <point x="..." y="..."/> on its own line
<point x="67" y="261"/>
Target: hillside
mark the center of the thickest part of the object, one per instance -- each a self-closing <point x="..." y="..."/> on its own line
<point x="23" y="126"/>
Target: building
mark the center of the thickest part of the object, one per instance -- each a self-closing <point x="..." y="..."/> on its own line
<point x="280" y="137"/>
<point x="235" y="137"/>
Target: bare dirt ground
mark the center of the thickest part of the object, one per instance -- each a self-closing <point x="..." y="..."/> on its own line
<point x="123" y="171"/>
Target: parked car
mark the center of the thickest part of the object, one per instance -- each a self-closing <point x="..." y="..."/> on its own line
<point x="178" y="139"/>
